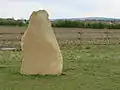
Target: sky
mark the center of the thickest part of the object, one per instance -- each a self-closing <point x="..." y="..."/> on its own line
<point x="22" y="9"/>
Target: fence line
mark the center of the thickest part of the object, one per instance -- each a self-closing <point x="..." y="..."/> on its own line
<point x="68" y="37"/>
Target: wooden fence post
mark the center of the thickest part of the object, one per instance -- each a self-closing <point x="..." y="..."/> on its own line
<point x="80" y="37"/>
<point x="107" y="37"/>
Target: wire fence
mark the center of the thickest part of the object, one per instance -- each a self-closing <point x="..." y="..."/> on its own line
<point x="72" y="37"/>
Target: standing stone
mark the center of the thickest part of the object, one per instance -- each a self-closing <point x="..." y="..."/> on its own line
<point x="41" y="52"/>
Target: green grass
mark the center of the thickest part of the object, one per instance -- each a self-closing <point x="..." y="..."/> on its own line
<point x="95" y="67"/>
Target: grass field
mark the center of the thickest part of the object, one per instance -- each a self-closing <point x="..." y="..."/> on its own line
<point x="93" y="67"/>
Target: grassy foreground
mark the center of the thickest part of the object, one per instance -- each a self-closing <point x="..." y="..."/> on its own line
<point x="86" y="68"/>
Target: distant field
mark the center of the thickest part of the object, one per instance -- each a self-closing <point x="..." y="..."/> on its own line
<point x="77" y="35"/>
<point x="15" y="29"/>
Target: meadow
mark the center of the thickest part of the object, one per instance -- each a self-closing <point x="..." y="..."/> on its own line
<point x="93" y="67"/>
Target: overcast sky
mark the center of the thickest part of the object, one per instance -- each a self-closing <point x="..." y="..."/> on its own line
<point x="60" y="8"/>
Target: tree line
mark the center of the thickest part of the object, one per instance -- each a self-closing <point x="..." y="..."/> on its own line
<point x="86" y="24"/>
<point x="13" y="22"/>
<point x="64" y="23"/>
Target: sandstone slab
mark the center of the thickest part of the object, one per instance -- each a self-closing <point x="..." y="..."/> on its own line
<point x="40" y="50"/>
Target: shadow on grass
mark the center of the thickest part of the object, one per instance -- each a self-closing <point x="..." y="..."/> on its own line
<point x="2" y="67"/>
<point x="38" y="75"/>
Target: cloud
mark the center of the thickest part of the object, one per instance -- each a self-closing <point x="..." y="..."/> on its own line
<point x="60" y="8"/>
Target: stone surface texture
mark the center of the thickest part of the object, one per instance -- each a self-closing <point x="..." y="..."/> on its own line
<point x="40" y="50"/>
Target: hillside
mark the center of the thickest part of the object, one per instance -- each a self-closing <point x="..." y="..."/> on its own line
<point x="90" y="18"/>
